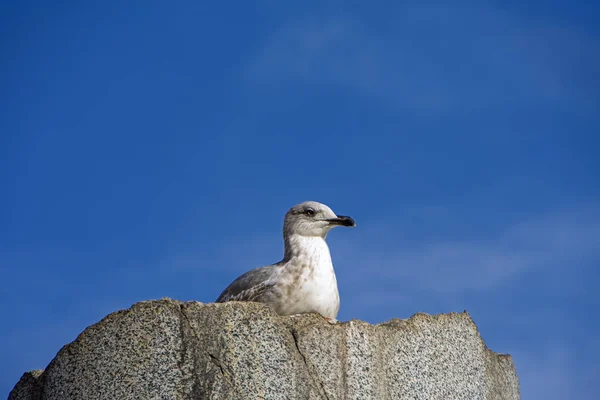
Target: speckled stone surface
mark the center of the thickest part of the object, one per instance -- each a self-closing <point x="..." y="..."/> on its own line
<point x="172" y="350"/>
<point x="29" y="387"/>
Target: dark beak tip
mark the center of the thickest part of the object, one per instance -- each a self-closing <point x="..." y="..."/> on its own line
<point x="347" y="221"/>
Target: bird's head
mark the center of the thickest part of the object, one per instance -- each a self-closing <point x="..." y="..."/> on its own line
<point x="313" y="219"/>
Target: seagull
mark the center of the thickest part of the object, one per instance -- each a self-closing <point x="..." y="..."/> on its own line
<point x="304" y="281"/>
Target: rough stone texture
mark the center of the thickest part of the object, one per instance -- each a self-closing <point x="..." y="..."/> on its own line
<point x="28" y="387"/>
<point x="171" y="350"/>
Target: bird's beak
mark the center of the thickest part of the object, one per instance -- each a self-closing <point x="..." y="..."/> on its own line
<point x="342" y="220"/>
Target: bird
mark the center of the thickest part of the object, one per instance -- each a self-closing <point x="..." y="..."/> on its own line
<point x="304" y="280"/>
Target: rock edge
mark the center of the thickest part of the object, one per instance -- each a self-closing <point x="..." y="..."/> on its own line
<point x="167" y="349"/>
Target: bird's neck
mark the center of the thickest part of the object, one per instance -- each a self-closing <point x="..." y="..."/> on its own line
<point x="312" y="249"/>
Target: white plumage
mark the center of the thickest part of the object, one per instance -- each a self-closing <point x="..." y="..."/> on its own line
<point x="304" y="281"/>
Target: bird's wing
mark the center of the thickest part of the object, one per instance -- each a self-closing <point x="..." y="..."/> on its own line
<point x="250" y="294"/>
<point x="249" y="286"/>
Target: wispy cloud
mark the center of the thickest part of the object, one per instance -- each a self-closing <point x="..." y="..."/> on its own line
<point x="555" y="374"/>
<point x="438" y="58"/>
<point x="550" y="243"/>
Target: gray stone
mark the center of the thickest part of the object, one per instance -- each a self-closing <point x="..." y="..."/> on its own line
<point x="172" y="350"/>
<point x="29" y="387"/>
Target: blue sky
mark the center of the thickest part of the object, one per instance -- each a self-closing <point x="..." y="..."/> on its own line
<point x="151" y="150"/>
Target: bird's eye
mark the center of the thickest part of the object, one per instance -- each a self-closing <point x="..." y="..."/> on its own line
<point x="310" y="212"/>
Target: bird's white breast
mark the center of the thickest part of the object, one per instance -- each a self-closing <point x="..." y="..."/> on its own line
<point x="311" y="284"/>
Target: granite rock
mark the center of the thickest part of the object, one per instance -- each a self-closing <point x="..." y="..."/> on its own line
<point x="29" y="386"/>
<point x="167" y="349"/>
